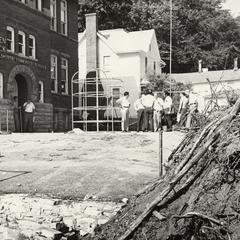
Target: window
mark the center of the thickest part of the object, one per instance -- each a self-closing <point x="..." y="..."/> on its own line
<point x="1" y="85"/>
<point x="116" y="95"/>
<point x="53" y="11"/>
<point x="40" y="92"/>
<point x="32" y="46"/>
<point x="106" y="62"/>
<point x="64" y="75"/>
<point x="146" y="65"/>
<point x="154" y="68"/>
<point x="64" y="17"/>
<point x="53" y="73"/>
<point x="10" y="39"/>
<point x="21" y="43"/>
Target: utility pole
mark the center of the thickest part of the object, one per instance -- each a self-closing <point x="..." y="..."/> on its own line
<point x="170" y="42"/>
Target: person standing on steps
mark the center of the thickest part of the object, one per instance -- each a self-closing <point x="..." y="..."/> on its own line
<point x="125" y="105"/>
<point x="140" y="113"/>
<point x="29" y="109"/>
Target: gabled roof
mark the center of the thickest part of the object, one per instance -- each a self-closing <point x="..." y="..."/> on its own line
<point x="122" y="41"/>
<point x="213" y="76"/>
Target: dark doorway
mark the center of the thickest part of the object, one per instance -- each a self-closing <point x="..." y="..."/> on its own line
<point x="22" y="91"/>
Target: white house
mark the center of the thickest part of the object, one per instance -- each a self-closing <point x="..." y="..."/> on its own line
<point x="205" y="83"/>
<point x="129" y="56"/>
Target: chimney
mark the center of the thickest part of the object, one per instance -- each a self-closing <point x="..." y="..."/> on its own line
<point x="235" y="64"/>
<point x="91" y="41"/>
<point x="200" y="66"/>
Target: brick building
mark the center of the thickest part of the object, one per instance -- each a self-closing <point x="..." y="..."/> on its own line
<point x="38" y="56"/>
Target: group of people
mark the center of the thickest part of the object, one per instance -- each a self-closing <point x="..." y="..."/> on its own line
<point x="28" y="111"/>
<point x="154" y="108"/>
<point x="151" y="108"/>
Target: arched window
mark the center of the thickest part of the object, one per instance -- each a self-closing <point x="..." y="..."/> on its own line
<point x="21" y="43"/>
<point x="32" y="46"/>
<point x="40" y="92"/>
<point x="10" y="39"/>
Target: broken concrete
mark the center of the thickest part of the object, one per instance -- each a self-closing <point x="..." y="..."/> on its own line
<point x="31" y="217"/>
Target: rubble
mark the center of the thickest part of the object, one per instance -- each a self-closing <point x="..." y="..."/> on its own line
<point x="198" y="198"/>
<point x="26" y="217"/>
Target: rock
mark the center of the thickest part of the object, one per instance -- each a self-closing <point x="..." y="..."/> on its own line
<point x="49" y="233"/>
<point x="92" y="211"/>
<point x="125" y="200"/>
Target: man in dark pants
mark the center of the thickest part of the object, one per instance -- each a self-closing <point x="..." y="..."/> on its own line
<point x="29" y="109"/>
<point x="140" y="113"/>
<point x="147" y="102"/>
<point x="16" y="114"/>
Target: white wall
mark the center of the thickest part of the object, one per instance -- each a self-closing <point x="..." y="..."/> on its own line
<point x="82" y="58"/>
<point x="129" y="67"/>
<point x="203" y="91"/>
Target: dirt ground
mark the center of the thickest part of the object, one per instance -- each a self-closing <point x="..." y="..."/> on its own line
<point x="106" y="166"/>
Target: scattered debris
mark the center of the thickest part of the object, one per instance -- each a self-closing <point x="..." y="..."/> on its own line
<point x="199" y="195"/>
<point x="51" y="219"/>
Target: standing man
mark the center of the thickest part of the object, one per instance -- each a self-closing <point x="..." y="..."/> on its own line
<point x="140" y="112"/>
<point x="193" y="108"/>
<point x="167" y="110"/>
<point x="125" y="105"/>
<point x="183" y="108"/>
<point x="16" y="114"/>
<point x="157" y="112"/>
<point x="147" y="102"/>
<point x="29" y="109"/>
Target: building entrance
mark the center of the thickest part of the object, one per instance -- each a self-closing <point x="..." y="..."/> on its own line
<point x="22" y="89"/>
<point x="22" y="93"/>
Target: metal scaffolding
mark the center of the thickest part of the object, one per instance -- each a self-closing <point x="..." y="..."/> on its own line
<point x="94" y="102"/>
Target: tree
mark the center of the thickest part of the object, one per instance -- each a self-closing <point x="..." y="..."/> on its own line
<point x="202" y="30"/>
<point x="111" y="13"/>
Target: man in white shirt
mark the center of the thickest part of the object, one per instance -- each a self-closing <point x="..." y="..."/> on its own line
<point x="29" y="109"/>
<point x="157" y="112"/>
<point x="138" y="106"/>
<point x="167" y="110"/>
<point x="147" y="102"/>
<point x="125" y="105"/>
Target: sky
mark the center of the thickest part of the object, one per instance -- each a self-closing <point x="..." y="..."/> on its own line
<point x="234" y="6"/>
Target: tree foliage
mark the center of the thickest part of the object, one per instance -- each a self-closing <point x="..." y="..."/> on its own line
<point x="201" y="28"/>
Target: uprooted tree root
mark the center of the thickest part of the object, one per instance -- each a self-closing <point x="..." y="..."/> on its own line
<point x="199" y="198"/>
